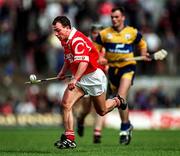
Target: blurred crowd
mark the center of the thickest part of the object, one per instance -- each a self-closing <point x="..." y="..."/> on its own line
<point x="27" y="44"/>
<point x="145" y="99"/>
<point x="38" y="100"/>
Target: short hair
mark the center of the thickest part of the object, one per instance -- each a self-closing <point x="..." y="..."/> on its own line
<point x="121" y="9"/>
<point x="96" y="26"/>
<point x="63" y="20"/>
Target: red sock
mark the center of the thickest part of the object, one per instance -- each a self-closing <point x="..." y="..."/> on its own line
<point x="70" y="135"/>
<point x="97" y="132"/>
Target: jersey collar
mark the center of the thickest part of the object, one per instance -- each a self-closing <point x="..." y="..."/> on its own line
<point x="73" y="31"/>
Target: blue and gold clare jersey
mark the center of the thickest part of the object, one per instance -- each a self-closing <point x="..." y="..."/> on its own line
<point x="121" y="44"/>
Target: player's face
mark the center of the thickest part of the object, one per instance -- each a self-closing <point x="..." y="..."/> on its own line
<point x="60" y="31"/>
<point x="117" y="19"/>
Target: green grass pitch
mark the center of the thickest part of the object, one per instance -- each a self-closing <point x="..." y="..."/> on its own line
<point x="31" y="141"/>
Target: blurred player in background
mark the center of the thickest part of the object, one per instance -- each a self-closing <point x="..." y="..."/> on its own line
<point x="80" y="57"/>
<point x="87" y="102"/>
<point x="118" y="41"/>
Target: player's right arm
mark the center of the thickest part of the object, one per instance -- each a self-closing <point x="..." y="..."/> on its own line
<point x="81" y="69"/>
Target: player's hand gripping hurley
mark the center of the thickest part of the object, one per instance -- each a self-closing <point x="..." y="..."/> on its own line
<point x="159" y="55"/>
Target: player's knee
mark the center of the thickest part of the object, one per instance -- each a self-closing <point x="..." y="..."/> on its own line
<point x="65" y="106"/>
<point x="101" y="112"/>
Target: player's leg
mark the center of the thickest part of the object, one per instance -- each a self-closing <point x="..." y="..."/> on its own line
<point x="104" y="106"/>
<point x="98" y="125"/>
<point x="122" y="77"/>
<point x="126" y="127"/>
<point x="85" y="104"/>
<point x="95" y="85"/>
<point x="98" y="94"/>
<point x="70" y="97"/>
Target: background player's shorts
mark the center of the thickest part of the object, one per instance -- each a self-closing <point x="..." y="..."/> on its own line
<point x="115" y="74"/>
<point x="94" y="83"/>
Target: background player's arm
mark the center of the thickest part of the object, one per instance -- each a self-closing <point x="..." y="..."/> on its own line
<point x="102" y="60"/>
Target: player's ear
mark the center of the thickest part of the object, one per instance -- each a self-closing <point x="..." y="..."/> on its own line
<point x="123" y="17"/>
<point x="66" y="27"/>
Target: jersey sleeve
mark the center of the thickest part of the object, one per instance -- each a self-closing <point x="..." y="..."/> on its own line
<point x="99" y="42"/>
<point x="142" y="44"/>
<point x="139" y="40"/>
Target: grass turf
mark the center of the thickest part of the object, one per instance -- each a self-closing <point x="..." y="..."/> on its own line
<point x="39" y="141"/>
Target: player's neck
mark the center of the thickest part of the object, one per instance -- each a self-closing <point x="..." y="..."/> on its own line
<point x="118" y="29"/>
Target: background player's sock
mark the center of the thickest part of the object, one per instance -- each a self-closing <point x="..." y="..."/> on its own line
<point x="97" y="132"/>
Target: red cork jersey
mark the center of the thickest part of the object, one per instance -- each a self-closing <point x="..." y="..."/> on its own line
<point x="78" y="48"/>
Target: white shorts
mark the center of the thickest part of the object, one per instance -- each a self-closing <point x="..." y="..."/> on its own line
<point x="94" y="83"/>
